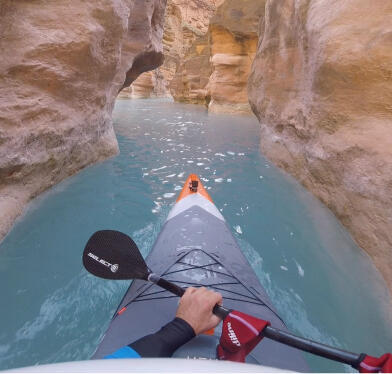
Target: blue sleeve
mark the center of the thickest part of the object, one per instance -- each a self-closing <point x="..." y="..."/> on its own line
<point x="124" y="352"/>
<point x="161" y="344"/>
<point x="166" y="341"/>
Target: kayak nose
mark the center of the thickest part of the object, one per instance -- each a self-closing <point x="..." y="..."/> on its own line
<point x="193" y="185"/>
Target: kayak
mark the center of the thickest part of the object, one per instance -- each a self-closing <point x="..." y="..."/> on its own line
<point x="196" y="248"/>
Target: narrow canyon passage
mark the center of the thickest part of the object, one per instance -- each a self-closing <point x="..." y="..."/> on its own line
<point x="321" y="283"/>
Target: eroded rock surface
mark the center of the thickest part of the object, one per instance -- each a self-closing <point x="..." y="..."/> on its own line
<point x="215" y="70"/>
<point x="185" y="21"/>
<point x="147" y="85"/>
<point x="321" y="86"/>
<point x="63" y="64"/>
<point x="189" y="85"/>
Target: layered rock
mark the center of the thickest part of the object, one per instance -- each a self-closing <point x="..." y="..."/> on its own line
<point x="321" y="86"/>
<point x="65" y="63"/>
<point x="189" y="85"/>
<point x="225" y="55"/>
<point x="185" y="21"/>
<point x="147" y="85"/>
<point x="233" y="38"/>
<point x="143" y="86"/>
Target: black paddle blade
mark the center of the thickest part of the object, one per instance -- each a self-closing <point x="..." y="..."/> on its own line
<point x="113" y="255"/>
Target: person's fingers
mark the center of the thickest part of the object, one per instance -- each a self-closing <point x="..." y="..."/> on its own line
<point x="214" y="320"/>
<point x="190" y="290"/>
<point x="218" y="298"/>
<point x="196" y="307"/>
<point x="214" y="298"/>
<point x="210" y="297"/>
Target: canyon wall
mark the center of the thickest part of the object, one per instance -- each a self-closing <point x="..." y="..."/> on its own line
<point x="189" y="85"/>
<point x="209" y="46"/>
<point x="215" y="70"/>
<point x="63" y="64"/>
<point x="321" y="86"/>
<point x="185" y="21"/>
<point x="233" y="40"/>
<point x="147" y="85"/>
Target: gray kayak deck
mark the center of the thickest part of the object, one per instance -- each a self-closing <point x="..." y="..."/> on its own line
<point x="196" y="248"/>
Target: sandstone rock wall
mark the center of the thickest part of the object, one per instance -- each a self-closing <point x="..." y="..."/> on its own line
<point x="189" y="85"/>
<point x="62" y="66"/>
<point x="147" y="85"/>
<point x="225" y="55"/>
<point x="321" y="86"/>
<point x="233" y="38"/>
<point x="185" y="21"/>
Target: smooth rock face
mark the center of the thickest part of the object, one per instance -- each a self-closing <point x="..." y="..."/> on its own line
<point x="233" y="41"/>
<point x="321" y="86"/>
<point x="189" y="85"/>
<point x="185" y="21"/>
<point x="63" y="64"/>
<point x="225" y="55"/>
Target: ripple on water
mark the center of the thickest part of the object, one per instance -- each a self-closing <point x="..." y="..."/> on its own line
<point x="169" y="195"/>
<point x="238" y="229"/>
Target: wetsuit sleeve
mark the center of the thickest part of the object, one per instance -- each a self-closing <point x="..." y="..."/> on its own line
<point x="166" y="341"/>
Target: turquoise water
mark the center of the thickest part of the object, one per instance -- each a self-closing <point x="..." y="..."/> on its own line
<point x="323" y="286"/>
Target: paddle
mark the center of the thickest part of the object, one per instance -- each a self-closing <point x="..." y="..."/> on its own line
<point x="113" y="255"/>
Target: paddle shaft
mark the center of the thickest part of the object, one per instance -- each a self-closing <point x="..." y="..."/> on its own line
<point x="310" y="346"/>
<point x="272" y="333"/>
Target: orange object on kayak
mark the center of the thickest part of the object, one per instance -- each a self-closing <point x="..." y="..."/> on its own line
<point x="209" y="332"/>
<point x="193" y="185"/>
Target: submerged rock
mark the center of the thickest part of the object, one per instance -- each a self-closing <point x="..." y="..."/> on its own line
<point x="321" y="86"/>
<point x="63" y="64"/>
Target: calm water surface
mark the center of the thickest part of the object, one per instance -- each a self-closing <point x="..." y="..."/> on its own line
<point x="323" y="286"/>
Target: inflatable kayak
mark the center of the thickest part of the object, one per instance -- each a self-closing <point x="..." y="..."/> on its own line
<point x="196" y="248"/>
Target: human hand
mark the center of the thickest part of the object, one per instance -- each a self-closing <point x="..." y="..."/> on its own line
<point x="196" y="306"/>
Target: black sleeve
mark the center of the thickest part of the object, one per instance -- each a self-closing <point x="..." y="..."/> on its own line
<point x="164" y="342"/>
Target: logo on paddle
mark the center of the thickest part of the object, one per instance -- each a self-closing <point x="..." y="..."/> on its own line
<point x="233" y="336"/>
<point x="113" y="267"/>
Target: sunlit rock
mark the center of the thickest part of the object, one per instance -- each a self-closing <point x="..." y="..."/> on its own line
<point x="215" y="70"/>
<point x="185" y="21"/>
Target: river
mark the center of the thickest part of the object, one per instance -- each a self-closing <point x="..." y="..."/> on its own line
<point x="321" y="283"/>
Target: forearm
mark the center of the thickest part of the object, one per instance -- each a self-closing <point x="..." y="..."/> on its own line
<point x="166" y="341"/>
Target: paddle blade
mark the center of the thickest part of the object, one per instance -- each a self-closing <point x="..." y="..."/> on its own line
<point x="111" y="254"/>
